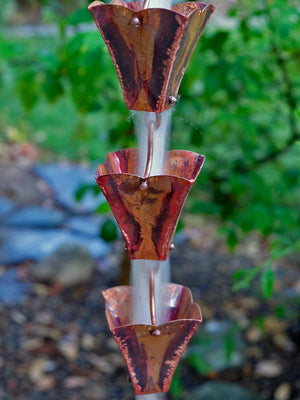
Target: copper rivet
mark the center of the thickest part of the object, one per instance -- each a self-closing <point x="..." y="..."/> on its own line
<point x="172" y="100"/>
<point x="172" y="246"/>
<point x="135" y="22"/>
<point x="143" y="186"/>
<point x="156" y="332"/>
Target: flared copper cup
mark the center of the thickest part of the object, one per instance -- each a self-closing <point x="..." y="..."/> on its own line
<point x="147" y="210"/>
<point x="150" y="48"/>
<point x="152" y="353"/>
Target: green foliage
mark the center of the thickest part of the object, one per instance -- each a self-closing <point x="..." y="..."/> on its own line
<point x="239" y="105"/>
<point x="278" y="249"/>
<point x="109" y="231"/>
<point x="176" y="388"/>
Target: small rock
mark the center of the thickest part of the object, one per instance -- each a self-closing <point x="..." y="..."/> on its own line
<point x="102" y="364"/>
<point x="45" y="383"/>
<point x="18" y="317"/>
<point x="69" y="347"/>
<point x="268" y="369"/>
<point x="75" y="382"/>
<point x="32" y="344"/>
<point x="68" y="265"/>
<point x="96" y="391"/>
<point x="274" y="325"/>
<point x="220" y="390"/>
<point x="45" y="318"/>
<point x="88" y="342"/>
<point x="254" y="352"/>
<point x="44" y="332"/>
<point x="249" y="303"/>
<point x="283" y="342"/>
<point x="283" y="392"/>
<point x="37" y="369"/>
<point x="253" y="334"/>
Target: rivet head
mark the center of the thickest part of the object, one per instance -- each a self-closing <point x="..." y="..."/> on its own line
<point x="143" y="186"/>
<point x="172" y="246"/>
<point x="135" y="22"/>
<point x="155" y="332"/>
<point x="172" y="100"/>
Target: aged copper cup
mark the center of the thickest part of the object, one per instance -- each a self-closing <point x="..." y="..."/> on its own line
<point x="147" y="209"/>
<point x="152" y="352"/>
<point x="150" y="48"/>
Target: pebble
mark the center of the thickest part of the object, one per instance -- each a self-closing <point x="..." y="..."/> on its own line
<point x="283" y="342"/>
<point x="45" y="383"/>
<point x="32" y="344"/>
<point x="254" y="352"/>
<point x="253" y="334"/>
<point x="103" y="364"/>
<point x="69" y="347"/>
<point x="88" y="342"/>
<point x="96" y="391"/>
<point x="283" y="392"/>
<point x="69" y="265"/>
<point x="18" y="317"/>
<point x="37" y="369"/>
<point x="268" y="369"/>
<point x="75" y="382"/>
<point x="274" y="325"/>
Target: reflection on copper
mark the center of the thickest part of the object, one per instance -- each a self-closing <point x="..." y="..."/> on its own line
<point x="150" y="48"/>
<point x="152" y="352"/>
<point x="147" y="210"/>
<point x="152" y="298"/>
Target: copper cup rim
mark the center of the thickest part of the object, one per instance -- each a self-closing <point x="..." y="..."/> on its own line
<point x="150" y="327"/>
<point x="133" y="150"/>
<point x="175" y="9"/>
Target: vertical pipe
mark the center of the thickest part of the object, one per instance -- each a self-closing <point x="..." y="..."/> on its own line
<point x="148" y="299"/>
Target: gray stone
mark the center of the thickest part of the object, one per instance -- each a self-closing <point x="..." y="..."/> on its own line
<point x="12" y="289"/>
<point x="220" y="390"/>
<point x="212" y="343"/>
<point x="6" y="206"/>
<point x="68" y="265"/>
<point x="85" y="225"/>
<point x="17" y="245"/>
<point x="65" y="180"/>
<point x="35" y="217"/>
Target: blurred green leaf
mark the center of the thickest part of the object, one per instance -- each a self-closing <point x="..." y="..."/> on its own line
<point x="267" y="282"/>
<point x="109" y="231"/>
<point x="176" y="387"/>
<point x="84" y="189"/>
<point x="79" y="16"/>
<point x="198" y="364"/>
<point x="103" y="208"/>
<point x="243" y="277"/>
